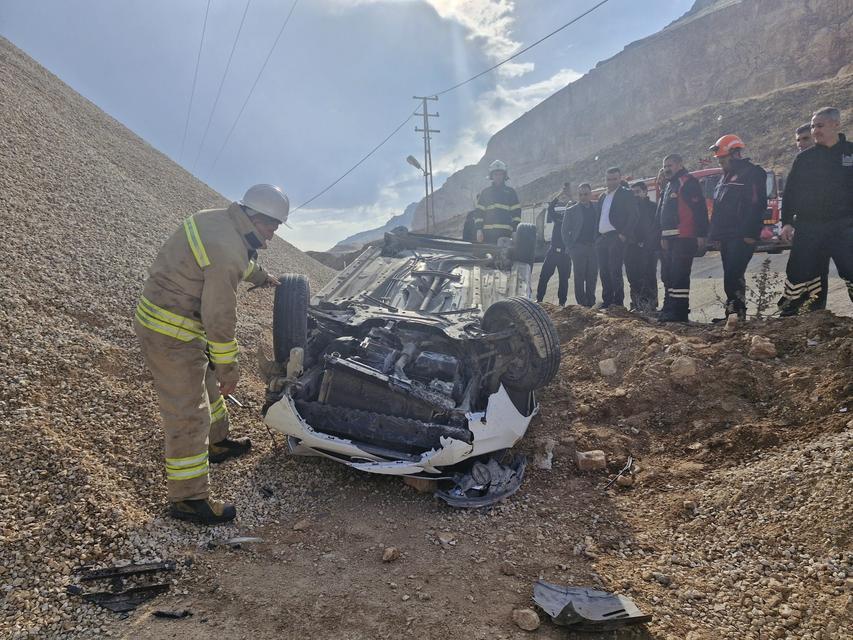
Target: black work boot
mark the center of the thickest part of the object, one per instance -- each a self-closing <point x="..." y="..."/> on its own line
<point x="203" y="511"/>
<point x="225" y="449"/>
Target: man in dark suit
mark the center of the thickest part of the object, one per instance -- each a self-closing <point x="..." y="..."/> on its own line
<point x="617" y="217"/>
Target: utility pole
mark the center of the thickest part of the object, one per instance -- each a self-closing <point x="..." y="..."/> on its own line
<point x="427" y="168"/>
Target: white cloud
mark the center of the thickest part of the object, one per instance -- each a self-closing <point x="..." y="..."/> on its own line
<point x="490" y="22"/>
<point x="494" y="110"/>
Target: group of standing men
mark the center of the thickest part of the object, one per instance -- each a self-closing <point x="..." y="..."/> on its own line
<point x="625" y="229"/>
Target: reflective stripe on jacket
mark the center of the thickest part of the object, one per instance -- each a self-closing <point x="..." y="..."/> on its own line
<point x="191" y="291"/>
<point x="498" y="209"/>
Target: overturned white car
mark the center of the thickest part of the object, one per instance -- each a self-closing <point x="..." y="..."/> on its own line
<point x="419" y="358"/>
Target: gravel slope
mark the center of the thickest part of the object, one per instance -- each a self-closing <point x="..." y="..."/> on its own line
<point x="84" y="206"/>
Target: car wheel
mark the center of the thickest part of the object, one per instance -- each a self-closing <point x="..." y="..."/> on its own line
<point x="524" y="244"/>
<point x="535" y="349"/>
<point x="290" y="315"/>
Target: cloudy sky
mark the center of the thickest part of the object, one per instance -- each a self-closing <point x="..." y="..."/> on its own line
<point x="339" y="80"/>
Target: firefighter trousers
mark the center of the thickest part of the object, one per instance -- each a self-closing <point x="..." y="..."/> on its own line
<point x="611" y="255"/>
<point x="191" y="408"/>
<point x="736" y="255"/>
<point x="676" y="262"/>
<point x="555" y="259"/>
<point x="585" y="263"/>
<point x="813" y="243"/>
<point x="641" y="269"/>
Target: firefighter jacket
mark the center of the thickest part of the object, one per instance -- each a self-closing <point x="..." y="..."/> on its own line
<point x="499" y="210"/>
<point x="740" y="202"/>
<point x="191" y="291"/>
<point x="682" y="211"/>
<point x="820" y="184"/>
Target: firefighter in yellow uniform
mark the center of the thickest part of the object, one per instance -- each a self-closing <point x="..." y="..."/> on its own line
<point x="498" y="208"/>
<point x="186" y="321"/>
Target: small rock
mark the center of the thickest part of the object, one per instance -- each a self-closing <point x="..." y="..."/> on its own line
<point x="594" y="460"/>
<point x="761" y="348"/>
<point x="625" y="481"/>
<point x="302" y="525"/>
<point x="690" y="506"/>
<point x="684" y="367"/>
<point x="607" y="367"/>
<point x="526" y="619"/>
<point x="390" y="554"/>
<point x="662" y="578"/>
<point x="446" y="539"/>
<point x="507" y="568"/>
<point x="731" y="322"/>
<point x="584" y="409"/>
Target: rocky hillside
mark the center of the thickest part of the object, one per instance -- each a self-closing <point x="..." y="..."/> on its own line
<point x="719" y="52"/>
<point x="84" y="206"/>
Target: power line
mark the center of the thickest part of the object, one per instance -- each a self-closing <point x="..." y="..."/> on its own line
<point x="221" y="84"/>
<point x="358" y="164"/>
<point x="254" y="84"/>
<point x="448" y="90"/>
<point x="195" y="78"/>
<point x="527" y="48"/>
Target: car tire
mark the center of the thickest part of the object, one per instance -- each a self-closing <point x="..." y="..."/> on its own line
<point x="290" y="315"/>
<point x="524" y="244"/>
<point x="536" y="356"/>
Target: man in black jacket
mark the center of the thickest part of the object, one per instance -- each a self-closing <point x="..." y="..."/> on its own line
<point x="682" y="217"/>
<point x="740" y="206"/>
<point x="580" y="228"/>
<point x="805" y="141"/>
<point x="617" y="216"/>
<point x="641" y="255"/>
<point x="557" y="257"/>
<point x="818" y="203"/>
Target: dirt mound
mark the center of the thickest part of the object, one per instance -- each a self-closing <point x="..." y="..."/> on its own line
<point x="84" y="206"/>
<point x="711" y="392"/>
<point x="736" y="519"/>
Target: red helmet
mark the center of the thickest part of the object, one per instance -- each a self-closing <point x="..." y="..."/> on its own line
<point x="725" y="145"/>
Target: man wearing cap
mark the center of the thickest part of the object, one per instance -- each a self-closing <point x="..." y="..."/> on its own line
<point x="186" y="322"/>
<point x="740" y="206"/>
<point x="498" y="208"/>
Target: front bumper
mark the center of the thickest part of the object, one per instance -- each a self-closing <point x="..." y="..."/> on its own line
<point x="499" y="427"/>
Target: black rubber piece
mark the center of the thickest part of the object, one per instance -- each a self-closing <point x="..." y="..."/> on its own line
<point x="290" y="315"/>
<point x="539" y="364"/>
<point x="525" y="243"/>
<point x="391" y="432"/>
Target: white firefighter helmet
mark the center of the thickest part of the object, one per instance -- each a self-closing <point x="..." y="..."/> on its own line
<point x="497" y="165"/>
<point x="269" y="200"/>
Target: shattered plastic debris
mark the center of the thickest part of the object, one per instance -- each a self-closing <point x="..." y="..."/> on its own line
<point x="485" y="484"/>
<point x="586" y="609"/>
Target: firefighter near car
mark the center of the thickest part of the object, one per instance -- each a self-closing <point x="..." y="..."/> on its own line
<point x="817" y="213"/>
<point x="186" y="321"/>
<point x="498" y="208"/>
<point x="740" y="203"/>
<point x="682" y="217"/>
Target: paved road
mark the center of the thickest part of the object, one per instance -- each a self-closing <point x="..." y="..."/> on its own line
<point x="707" y="286"/>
